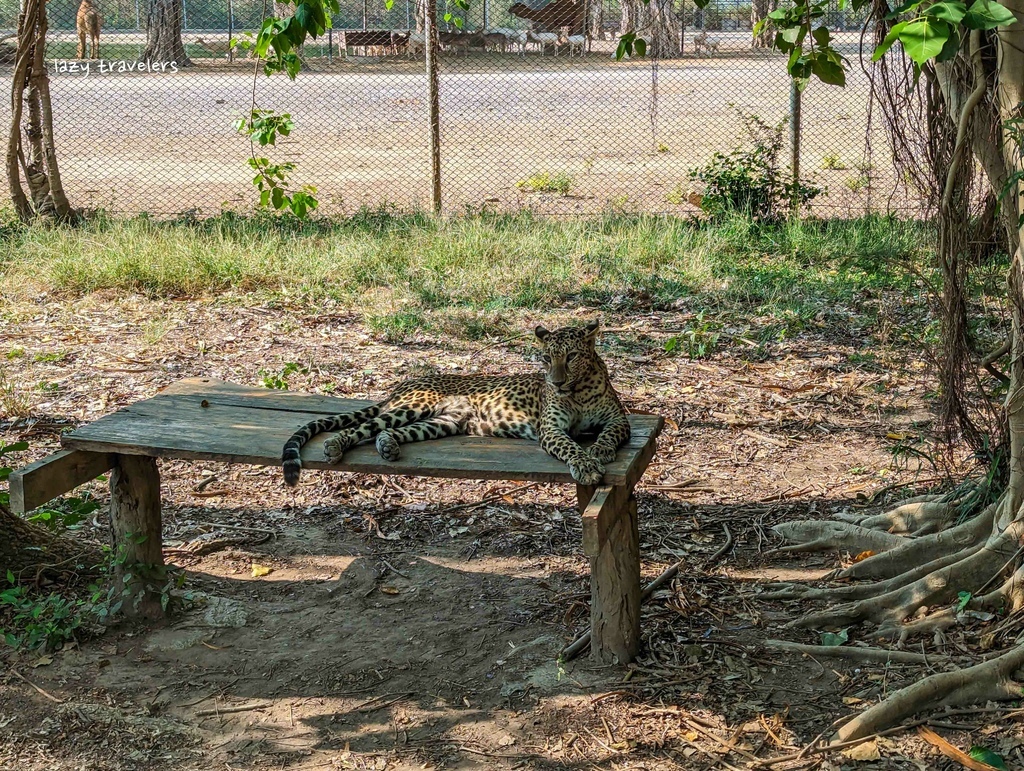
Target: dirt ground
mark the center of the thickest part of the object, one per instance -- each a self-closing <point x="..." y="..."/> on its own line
<point x="625" y="133"/>
<point x="415" y="623"/>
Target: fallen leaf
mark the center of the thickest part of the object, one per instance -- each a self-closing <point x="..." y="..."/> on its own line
<point x="864" y="555"/>
<point x="389" y="590"/>
<point x="985" y="755"/>
<point x="260" y="570"/>
<point x="897" y="437"/>
<point x="955" y="753"/>
<point x="833" y="639"/>
<point x="42" y="661"/>
<point x="863" y="751"/>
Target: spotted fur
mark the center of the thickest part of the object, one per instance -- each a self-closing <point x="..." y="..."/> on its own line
<point x="572" y="396"/>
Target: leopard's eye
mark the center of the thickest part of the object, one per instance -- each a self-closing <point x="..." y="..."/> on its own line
<point x="570" y="356"/>
<point x="546" y="359"/>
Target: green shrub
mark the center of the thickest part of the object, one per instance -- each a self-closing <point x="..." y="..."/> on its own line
<point x="750" y="181"/>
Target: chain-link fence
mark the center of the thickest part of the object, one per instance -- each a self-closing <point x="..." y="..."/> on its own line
<point x="534" y="111"/>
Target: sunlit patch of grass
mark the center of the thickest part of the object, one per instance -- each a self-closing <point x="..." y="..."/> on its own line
<point x="406" y="271"/>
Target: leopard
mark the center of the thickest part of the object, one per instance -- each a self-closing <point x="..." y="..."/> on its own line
<point x="572" y="396"/>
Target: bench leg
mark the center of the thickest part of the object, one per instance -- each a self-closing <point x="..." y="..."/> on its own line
<point x="611" y="539"/>
<point x="136" y="537"/>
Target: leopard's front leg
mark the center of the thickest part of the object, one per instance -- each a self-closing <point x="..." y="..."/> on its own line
<point x="615" y="434"/>
<point x="555" y="441"/>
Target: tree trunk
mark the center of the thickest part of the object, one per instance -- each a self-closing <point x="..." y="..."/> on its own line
<point x="654" y="21"/>
<point x="918" y="582"/>
<point x="29" y="551"/>
<point x="759" y="10"/>
<point x="30" y="99"/>
<point x="163" y="33"/>
<point x="595" y="19"/>
<point x="420" y="14"/>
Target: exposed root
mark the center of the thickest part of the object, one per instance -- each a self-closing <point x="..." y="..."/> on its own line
<point x="914" y="518"/>
<point x="934" y="623"/>
<point x="860" y="517"/>
<point x="1008" y="597"/>
<point x="856" y="654"/>
<point x="990" y="680"/>
<point x="937" y="587"/>
<point x="862" y="591"/>
<point x="818" y="535"/>
<point x="915" y="551"/>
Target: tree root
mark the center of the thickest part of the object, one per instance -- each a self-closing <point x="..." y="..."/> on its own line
<point x="863" y="591"/>
<point x="938" y="586"/>
<point x="1008" y="597"/>
<point x="879" y="655"/>
<point x="915" y="551"/>
<point x="914" y="518"/>
<point x="991" y="680"/>
<point x="818" y="535"/>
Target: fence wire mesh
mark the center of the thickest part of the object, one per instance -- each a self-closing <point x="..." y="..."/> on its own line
<point x="534" y="110"/>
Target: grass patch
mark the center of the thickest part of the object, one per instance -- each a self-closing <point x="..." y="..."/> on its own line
<point x="408" y="272"/>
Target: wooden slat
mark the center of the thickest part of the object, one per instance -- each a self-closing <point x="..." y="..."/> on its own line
<point x="55" y="475"/>
<point x="250" y="425"/>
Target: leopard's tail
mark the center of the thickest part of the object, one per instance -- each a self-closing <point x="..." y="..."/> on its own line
<point x="291" y="460"/>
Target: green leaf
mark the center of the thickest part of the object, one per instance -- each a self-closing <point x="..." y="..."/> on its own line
<point x="907" y="6"/>
<point x="925" y="39"/>
<point x="640" y="45"/>
<point x="948" y="10"/>
<point x="759" y="27"/>
<point x="834" y="639"/>
<point x="952" y="47"/>
<point x="277" y="198"/>
<point x="962" y="599"/>
<point x="821" y="36"/>
<point x="986" y="755"/>
<point x="829" y="71"/>
<point x="304" y="16"/>
<point x="16" y="447"/>
<point x="987" y="14"/>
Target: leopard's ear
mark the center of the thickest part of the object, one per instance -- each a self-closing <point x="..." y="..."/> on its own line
<point x="542" y="333"/>
<point x="591" y="328"/>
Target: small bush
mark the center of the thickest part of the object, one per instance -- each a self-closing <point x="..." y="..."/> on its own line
<point x="750" y="181"/>
<point x="547" y="183"/>
<point x="832" y="162"/>
<point x="856" y="184"/>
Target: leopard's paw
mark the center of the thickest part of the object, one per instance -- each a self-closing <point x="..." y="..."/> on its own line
<point x="602" y="453"/>
<point x="387" y="446"/>
<point x="334" y="448"/>
<point x="586" y="470"/>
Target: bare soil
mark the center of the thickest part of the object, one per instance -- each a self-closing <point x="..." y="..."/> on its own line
<point x="416" y="623"/>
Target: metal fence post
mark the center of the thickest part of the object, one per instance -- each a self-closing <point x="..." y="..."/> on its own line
<point x="794" y="133"/>
<point x="433" y="105"/>
<point x="231" y="53"/>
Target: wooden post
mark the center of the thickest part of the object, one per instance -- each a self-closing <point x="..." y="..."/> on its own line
<point x="433" y="105"/>
<point x="135" y="529"/>
<point x="611" y="539"/>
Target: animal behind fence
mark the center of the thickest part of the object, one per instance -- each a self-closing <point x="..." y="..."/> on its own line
<point x="88" y="23"/>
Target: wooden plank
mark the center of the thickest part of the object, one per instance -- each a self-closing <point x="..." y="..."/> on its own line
<point x="611" y="539"/>
<point x="212" y="420"/>
<point x="55" y="475"/>
<point x="136" y="533"/>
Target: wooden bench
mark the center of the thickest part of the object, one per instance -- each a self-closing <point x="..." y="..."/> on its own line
<point x="203" y="419"/>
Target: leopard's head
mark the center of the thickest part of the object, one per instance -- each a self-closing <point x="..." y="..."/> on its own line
<point x="568" y="354"/>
